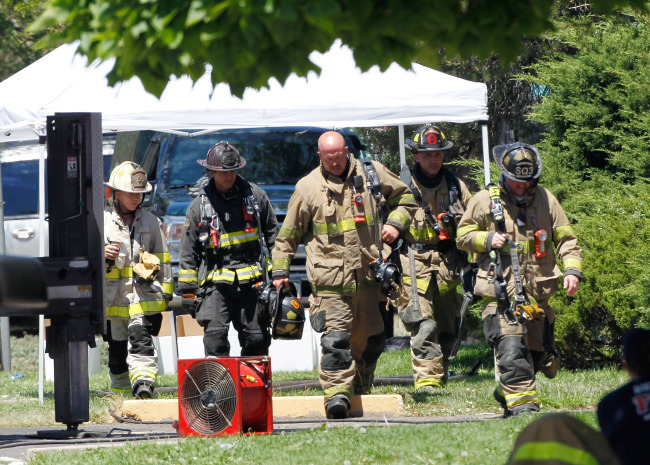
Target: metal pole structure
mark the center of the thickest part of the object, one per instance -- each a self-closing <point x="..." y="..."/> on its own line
<point x="41" y="253"/>
<point x="486" y="169"/>
<point x="402" y="152"/>
<point x="5" y="336"/>
<point x="486" y="152"/>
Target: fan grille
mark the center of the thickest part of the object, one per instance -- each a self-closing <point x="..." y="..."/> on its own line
<point x="208" y="397"/>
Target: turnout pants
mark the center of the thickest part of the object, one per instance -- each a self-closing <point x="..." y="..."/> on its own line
<point x="132" y="357"/>
<point x="222" y="304"/>
<point x="521" y="351"/>
<point x="433" y="329"/>
<point x="353" y="339"/>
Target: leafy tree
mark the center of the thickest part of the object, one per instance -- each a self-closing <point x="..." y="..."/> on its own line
<point x="249" y="41"/>
<point x="597" y="161"/>
<point x="17" y="46"/>
<point x="597" y="107"/>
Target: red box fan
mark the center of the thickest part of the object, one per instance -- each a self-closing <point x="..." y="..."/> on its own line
<point x="225" y="395"/>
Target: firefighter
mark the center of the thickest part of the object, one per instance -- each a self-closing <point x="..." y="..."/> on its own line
<point x="432" y="315"/>
<point x="221" y="258"/>
<point x="624" y="414"/>
<point x="331" y="213"/>
<point x="559" y="438"/>
<point x="139" y="282"/>
<point x="517" y="229"/>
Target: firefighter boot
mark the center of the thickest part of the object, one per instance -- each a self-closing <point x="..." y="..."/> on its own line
<point x="337" y="408"/>
<point x="550" y="366"/>
<point x="502" y="402"/>
<point x="120" y="383"/>
<point x="524" y="409"/>
<point x="143" y="390"/>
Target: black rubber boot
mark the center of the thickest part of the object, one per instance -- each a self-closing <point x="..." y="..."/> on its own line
<point x="143" y="390"/>
<point x="337" y="408"/>
<point x="502" y="402"/>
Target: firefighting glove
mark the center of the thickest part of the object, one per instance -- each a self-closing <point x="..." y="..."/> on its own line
<point x="188" y="303"/>
<point x="530" y="312"/>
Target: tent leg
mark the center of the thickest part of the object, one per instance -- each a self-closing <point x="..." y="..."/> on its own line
<point x="402" y="152"/>
<point x="486" y="152"/>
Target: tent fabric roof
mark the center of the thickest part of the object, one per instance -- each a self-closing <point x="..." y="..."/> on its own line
<point x="341" y="96"/>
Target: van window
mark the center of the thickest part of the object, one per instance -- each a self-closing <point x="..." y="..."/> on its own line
<point x="297" y="155"/>
<point x="20" y="188"/>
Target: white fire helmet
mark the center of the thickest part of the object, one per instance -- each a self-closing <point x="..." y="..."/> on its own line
<point x="129" y="177"/>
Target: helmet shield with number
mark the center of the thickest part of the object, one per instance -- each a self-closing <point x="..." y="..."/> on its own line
<point x="519" y="162"/>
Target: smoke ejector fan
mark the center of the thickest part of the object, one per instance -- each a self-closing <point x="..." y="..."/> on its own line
<point x="225" y="395"/>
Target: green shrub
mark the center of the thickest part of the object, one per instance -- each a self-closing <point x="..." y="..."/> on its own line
<point x="612" y="222"/>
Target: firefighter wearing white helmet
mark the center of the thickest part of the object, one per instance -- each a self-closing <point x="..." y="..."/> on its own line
<point x="139" y="282"/>
<point x="518" y="222"/>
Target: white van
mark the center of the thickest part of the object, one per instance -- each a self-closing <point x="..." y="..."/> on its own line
<point x="19" y="169"/>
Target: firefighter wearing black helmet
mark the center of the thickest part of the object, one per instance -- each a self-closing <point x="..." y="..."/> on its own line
<point x="221" y="260"/>
<point x="431" y="263"/>
<point x="517" y="229"/>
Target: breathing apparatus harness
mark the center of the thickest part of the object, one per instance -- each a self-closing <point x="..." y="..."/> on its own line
<point x="386" y="270"/>
<point x="520" y="308"/>
<point x="446" y="217"/>
<point x="210" y="223"/>
<point x="468" y="269"/>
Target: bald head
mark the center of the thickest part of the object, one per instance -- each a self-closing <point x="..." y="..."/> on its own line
<point x="333" y="152"/>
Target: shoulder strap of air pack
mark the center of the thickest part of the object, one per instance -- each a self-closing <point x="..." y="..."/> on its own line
<point x="453" y="184"/>
<point x="372" y="178"/>
<point x="407" y="178"/>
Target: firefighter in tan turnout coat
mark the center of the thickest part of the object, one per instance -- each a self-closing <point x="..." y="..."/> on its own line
<point x="433" y="312"/>
<point x="330" y="212"/>
<point x="139" y="282"/>
<point x="519" y="224"/>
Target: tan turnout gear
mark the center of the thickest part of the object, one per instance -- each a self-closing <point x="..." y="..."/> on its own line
<point x="133" y="305"/>
<point x="563" y="440"/>
<point x="340" y="242"/>
<point x="521" y="349"/>
<point x="434" y="327"/>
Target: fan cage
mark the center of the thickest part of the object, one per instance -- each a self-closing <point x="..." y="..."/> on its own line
<point x="209" y="397"/>
<point x="225" y="395"/>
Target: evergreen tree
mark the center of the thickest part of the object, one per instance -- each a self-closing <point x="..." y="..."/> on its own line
<point x="596" y="154"/>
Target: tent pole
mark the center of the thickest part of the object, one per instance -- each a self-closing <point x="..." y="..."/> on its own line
<point x="486" y="152"/>
<point x="41" y="253"/>
<point x="402" y="153"/>
<point x="5" y="333"/>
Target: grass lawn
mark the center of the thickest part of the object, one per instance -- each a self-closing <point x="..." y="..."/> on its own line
<point x="485" y="442"/>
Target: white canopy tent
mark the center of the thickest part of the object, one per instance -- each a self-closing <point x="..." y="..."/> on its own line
<point x="340" y="96"/>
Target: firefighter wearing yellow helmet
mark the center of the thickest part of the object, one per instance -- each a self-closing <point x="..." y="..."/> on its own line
<point x="518" y="233"/>
<point x="139" y="282"/>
